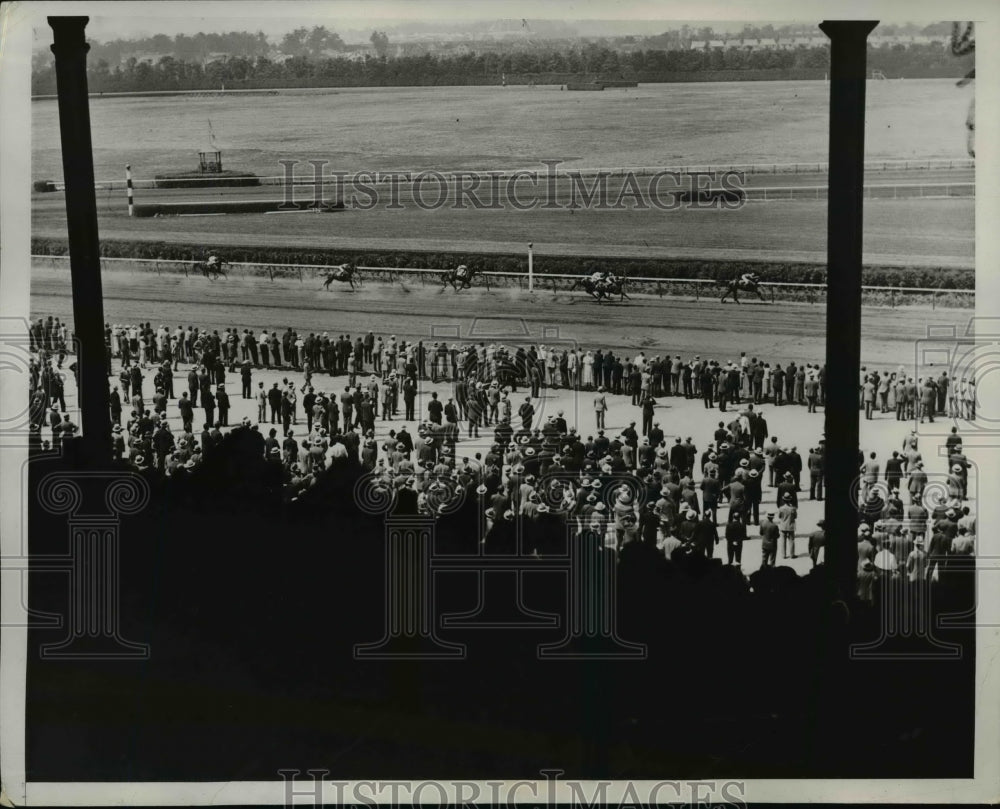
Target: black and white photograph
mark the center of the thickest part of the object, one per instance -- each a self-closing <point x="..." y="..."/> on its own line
<point x="500" y="402"/>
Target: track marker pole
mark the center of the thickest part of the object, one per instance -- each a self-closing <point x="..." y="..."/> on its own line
<point x="128" y="188"/>
<point x="531" y="267"/>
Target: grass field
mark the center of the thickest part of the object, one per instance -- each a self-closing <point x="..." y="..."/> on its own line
<point x="491" y="128"/>
<point x="495" y="128"/>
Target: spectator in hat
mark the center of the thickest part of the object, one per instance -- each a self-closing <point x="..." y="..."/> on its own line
<point x="787" y="515"/>
<point x="787" y="487"/>
<point x="754" y="496"/>
<point x="736" y="535"/>
<point x="866" y="550"/>
<point x="527" y="413"/>
<point x="771" y="452"/>
<point x="817" y="541"/>
<point x="706" y="535"/>
<point x="769" y="533"/>
<point x="222" y="402"/>
<point x="916" y="562"/>
<point x="869" y="474"/>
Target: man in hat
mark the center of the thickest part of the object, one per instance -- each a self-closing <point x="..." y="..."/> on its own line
<point x="186" y="409"/>
<point x="787" y="487"/>
<point x="769" y="533"/>
<point x="787" y="515"/>
<point x="706" y="535"/>
<point x="817" y="541"/>
<point x="916" y="563"/>
<point x="866" y="550"/>
<point x="736" y="535"/>
<point x="600" y="407"/>
<point x="754" y="495"/>
<point x="770" y="456"/>
<point x="527" y="413"/>
<point x="222" y="402"/>
<point x="817" y="465"/>
<point x="435" y="409"/>
<point x="117" y="441"/>
<point x="916" y="483"/>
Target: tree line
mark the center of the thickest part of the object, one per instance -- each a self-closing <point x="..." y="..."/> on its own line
<point x="591" y="61"/>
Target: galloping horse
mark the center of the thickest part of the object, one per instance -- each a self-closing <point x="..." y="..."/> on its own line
<point x="342" y="272"/>
<point x="460" y="278"/>
<point x="212" y="271"/>
<point x="602" y="289"/>
<point x="748" y="282"/>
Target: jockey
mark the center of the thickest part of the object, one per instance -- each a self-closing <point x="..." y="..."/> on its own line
<point x="462" y="271"/>
<point x="748" y="278"/>
<point x="213" y="262"/>
<point x="598" y="277"/>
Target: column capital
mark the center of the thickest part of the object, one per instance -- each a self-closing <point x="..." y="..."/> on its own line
<point x="837" y="29"/>
<point x="69" y="34"/>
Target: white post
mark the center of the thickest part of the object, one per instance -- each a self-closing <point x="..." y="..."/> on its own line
<point x="531" y="268"/>
<point x="128" y="187"/>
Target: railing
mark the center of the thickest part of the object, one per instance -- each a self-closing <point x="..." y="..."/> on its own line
<point x="891" y="191"/>
<point x="456" y="175"/>
<point x="296" y="271"/>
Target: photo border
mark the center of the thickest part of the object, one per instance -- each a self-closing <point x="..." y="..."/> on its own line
<point x="16" y="23"/>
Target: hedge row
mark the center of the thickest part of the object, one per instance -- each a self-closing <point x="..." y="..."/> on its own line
<point x="190" y="180"/>
<point x="789" y="272"/>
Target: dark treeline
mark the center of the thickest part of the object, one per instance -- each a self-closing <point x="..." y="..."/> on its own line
<point x="544" y="66"/>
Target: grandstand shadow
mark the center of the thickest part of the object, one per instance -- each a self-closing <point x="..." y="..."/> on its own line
<point x="252" y="607"/>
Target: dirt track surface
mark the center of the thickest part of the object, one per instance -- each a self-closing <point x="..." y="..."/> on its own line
<point x="779" y="331"/>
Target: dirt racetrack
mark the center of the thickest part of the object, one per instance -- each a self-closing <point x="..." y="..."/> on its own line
<point x="781" y="331"/>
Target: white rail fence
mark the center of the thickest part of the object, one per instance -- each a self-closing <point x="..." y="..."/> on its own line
<point x="892" y="191"/>
<point x="305" y="174"/>
<point x="301" y="272"/>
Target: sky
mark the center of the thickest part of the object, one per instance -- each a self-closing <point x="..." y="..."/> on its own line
<point x="131" y="19"/>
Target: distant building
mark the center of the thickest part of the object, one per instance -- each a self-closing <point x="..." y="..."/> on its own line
<point x="143" y="57"/>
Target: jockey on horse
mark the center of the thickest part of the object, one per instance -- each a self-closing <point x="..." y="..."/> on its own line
<point x="748" y="282"/>
<point x="342" y="272"/>
<point x="602" y="285"/>
<point x="459" y="278"/>
<point x="212" y="268"/>
<point x="603" y="280"/>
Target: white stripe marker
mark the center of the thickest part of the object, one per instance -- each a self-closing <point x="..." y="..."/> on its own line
<point x="128" y="186"/>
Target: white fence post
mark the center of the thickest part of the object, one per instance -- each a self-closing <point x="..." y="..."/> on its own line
<point x="531" y="267"/>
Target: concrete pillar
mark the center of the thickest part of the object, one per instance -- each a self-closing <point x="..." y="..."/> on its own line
<point x="848" y="69"/>
<point x="70" y="48"/>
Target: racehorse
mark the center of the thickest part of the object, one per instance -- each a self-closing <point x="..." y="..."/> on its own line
<point x="602" y="289"/>
<point x="342" y="272"/>
<point x="213" y="271"/>
<point x="743" y="284"/>
<point x="460" y="278"/>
